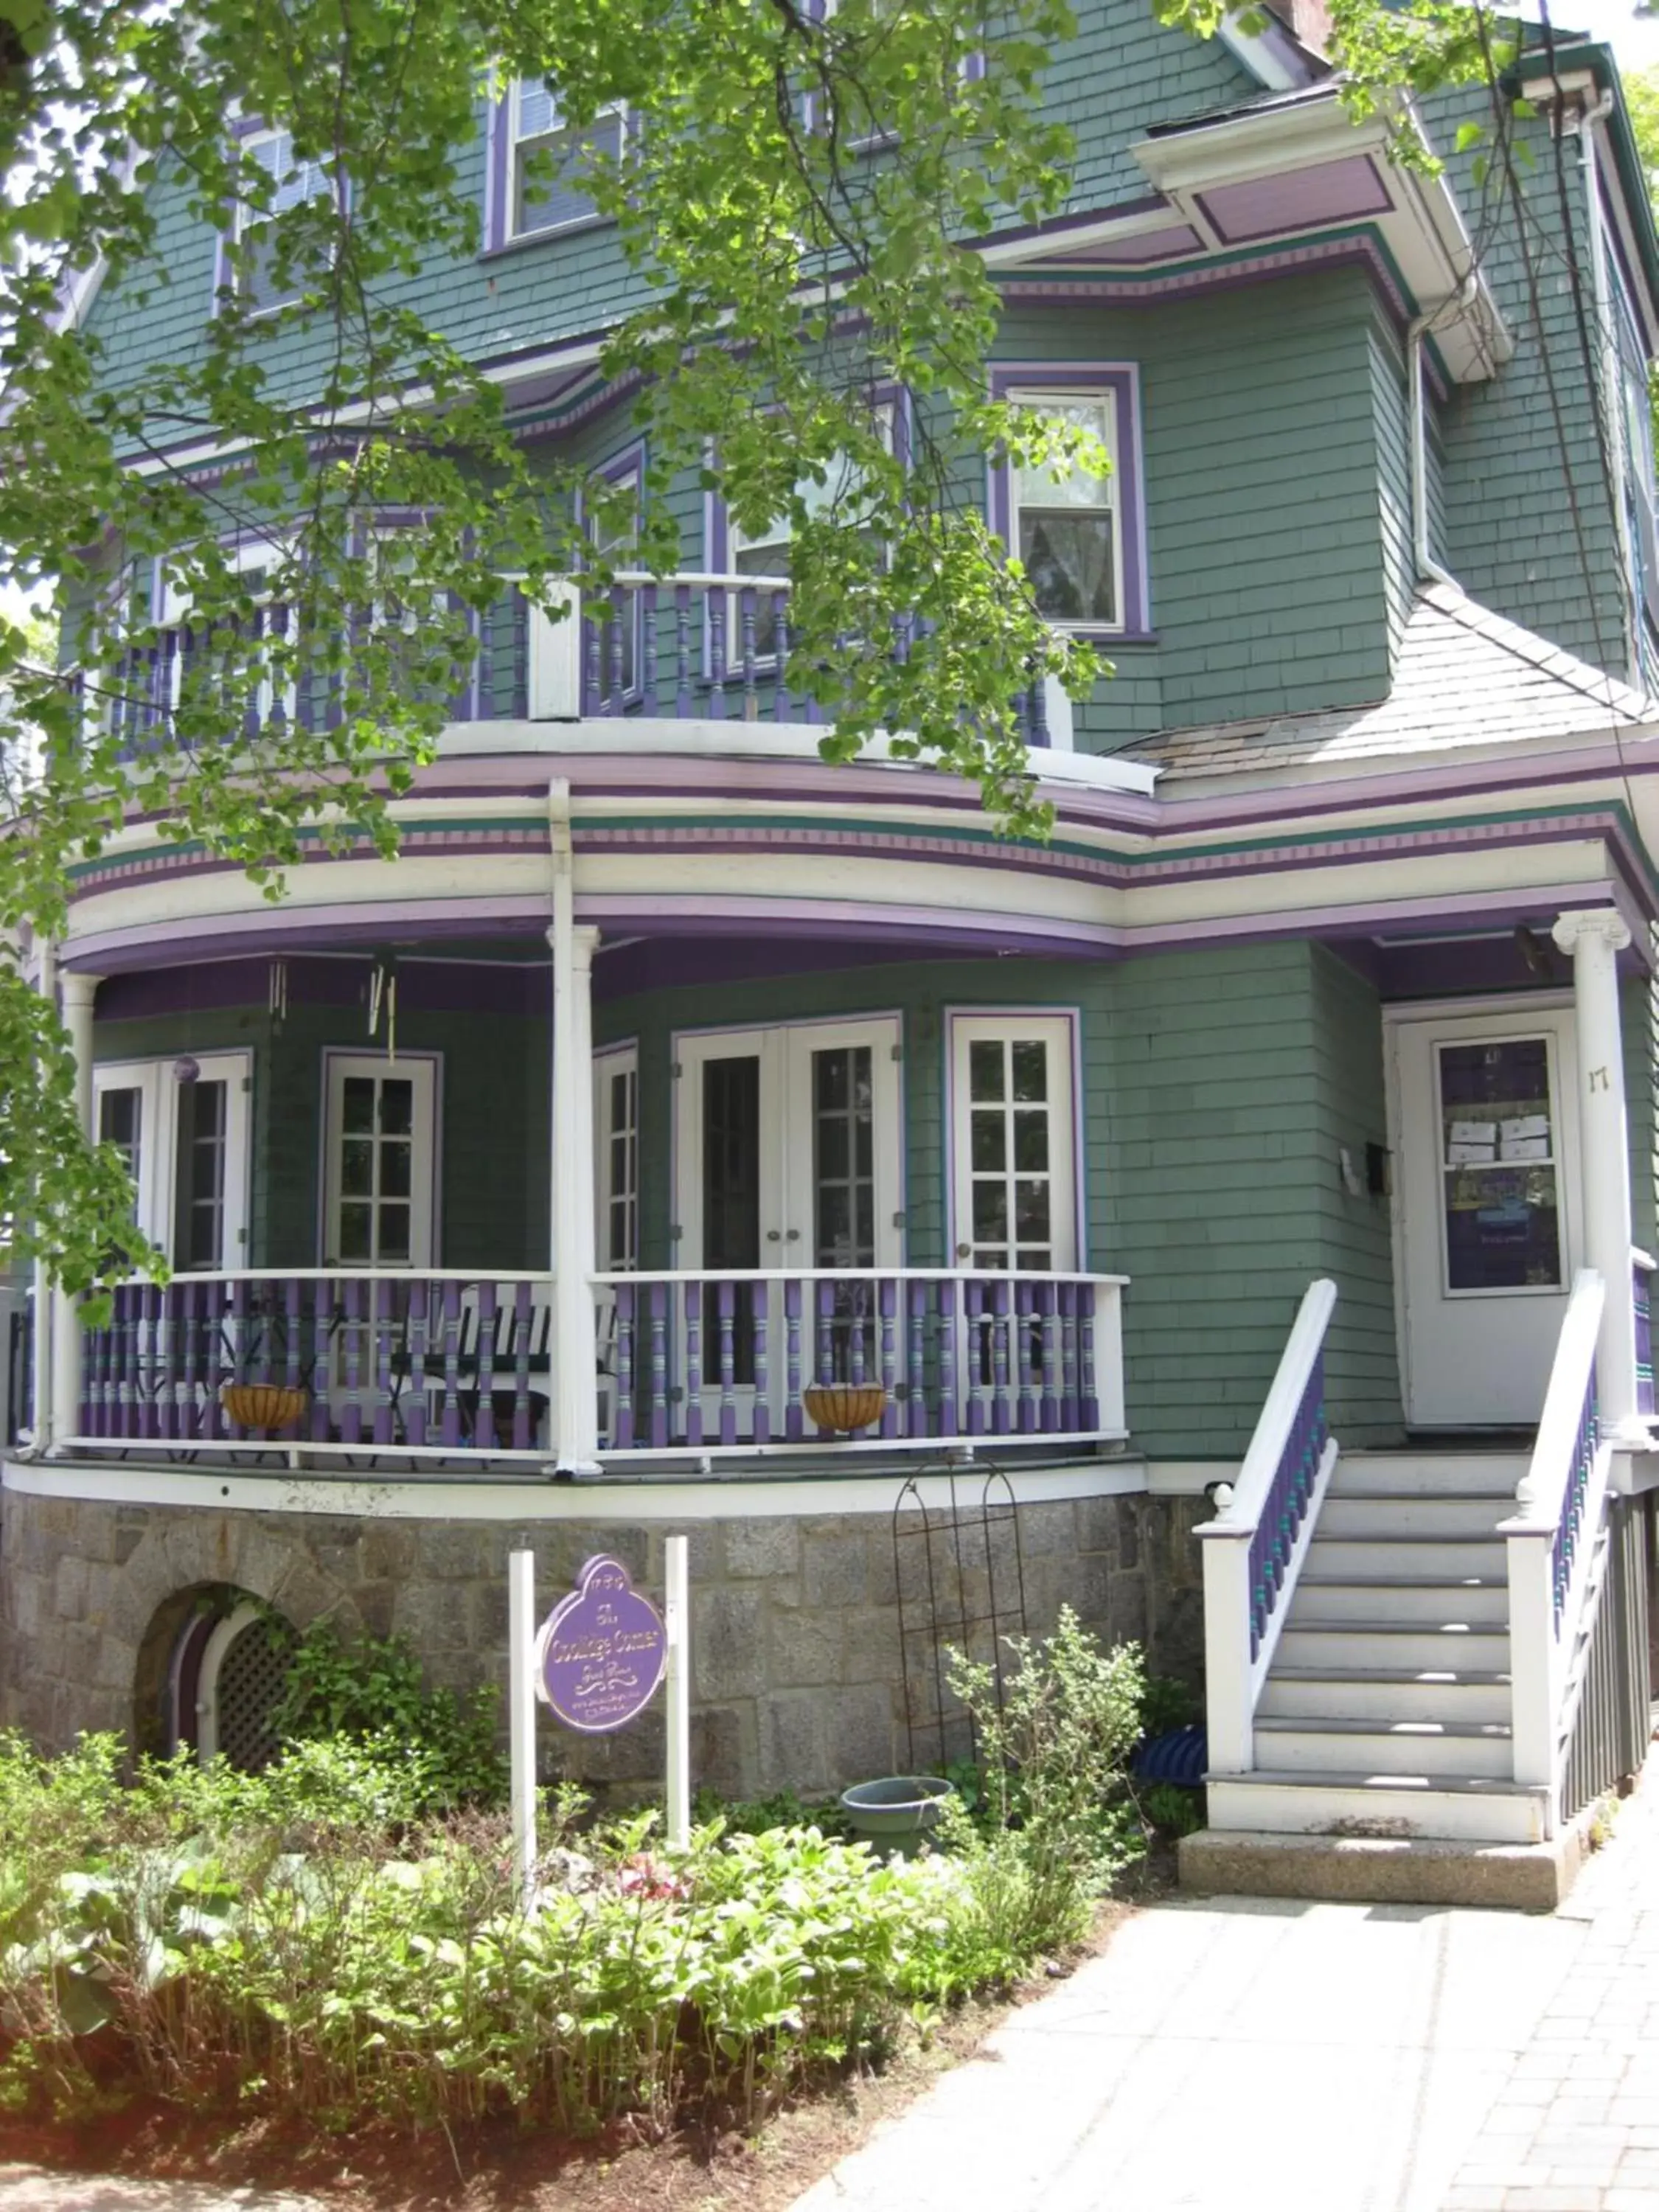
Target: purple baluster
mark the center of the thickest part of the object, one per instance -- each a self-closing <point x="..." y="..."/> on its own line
<point x="915" y="1376"/>
<point x="979" y="1362"/>
<point x="148" y="1331"/>
<point x="1024" y="1312"/>
<point x="380" y="1340"/>
<point x="825" y="1293"/>
<point x="761" y="1430"/>
<point x="682" y="651"/>
<point x="622" y="1420"/>
<point x="519" y="608"/>
<point x="239" y="1297"/>
<point x="724" y="1300"/>
<point x="351" y="1415"/>
<point x="781" y="656"/>
<point x="1088" y="1404"/>
<point x="617" y="672"/>
<point x="747" y="620"/>
<point x="483" y="1425"/>
<point x="659" y="1302"/>
<point x="414" y="1382"/>
<point x="887" y="1297"/>
<point x="950" y="1422"/>
<point x="647" y="602"/>
<point x="593" y="686"/>
<point x="792" y="1409"/>
<point x="521" y="1319"/>
<point x="162" y="1382"/>
<point x="1050" y="1421"/>
<point x="716" y="604"/>
<point x="291" y="1296"/>
<point x="451" y="1426"/>
<point x="1039" y="719"/>
<point x="1001" y="1411"/>
<point x="325" y="1291"/>
<point x="694" y="1363"/>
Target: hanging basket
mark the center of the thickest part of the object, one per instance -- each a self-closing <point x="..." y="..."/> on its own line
<point x="843" y="1409"/>
<point x="264" y="1405"/>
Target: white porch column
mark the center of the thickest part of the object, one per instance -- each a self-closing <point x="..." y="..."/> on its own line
<point x="79" y="994"/>
<point x="576" y="1380"/>
<point x="1595" y="938"/>
<point x="45" y="983"/>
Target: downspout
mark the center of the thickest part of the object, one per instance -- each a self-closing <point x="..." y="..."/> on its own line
<point x="1429" y="570"/>
<point x="1607" y="335"/>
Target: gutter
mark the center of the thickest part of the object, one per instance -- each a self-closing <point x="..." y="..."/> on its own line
<point x="1607" y="332"/>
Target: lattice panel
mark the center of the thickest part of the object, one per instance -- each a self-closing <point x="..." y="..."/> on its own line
<point x="251" y="1677"/>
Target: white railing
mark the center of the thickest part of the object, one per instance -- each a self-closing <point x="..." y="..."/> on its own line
<point x="452" y="1364"/>
<point x="697" y="1361"/>
<point x="1254" y="1547"/>
<point x="1551" y="1540"/>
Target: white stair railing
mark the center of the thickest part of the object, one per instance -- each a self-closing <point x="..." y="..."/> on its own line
<point x="1551" y="1541"/>
<point x="1254" y="1547"/>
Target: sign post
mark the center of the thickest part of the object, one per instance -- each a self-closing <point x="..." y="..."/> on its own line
<point x="598" y="1661"/>
<point x="521" y="1715"/>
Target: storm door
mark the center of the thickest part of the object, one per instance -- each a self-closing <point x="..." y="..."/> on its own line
<point x="787" y="1145"/>
<point x="1487" y="1223"/>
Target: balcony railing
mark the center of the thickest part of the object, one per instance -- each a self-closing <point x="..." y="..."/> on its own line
<point x="448" y="1366"/>
<point x="697" y="645"/>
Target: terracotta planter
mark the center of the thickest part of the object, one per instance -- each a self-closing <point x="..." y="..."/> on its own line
<point x="843" y="1409"/>
<point x="263" y="1405"/>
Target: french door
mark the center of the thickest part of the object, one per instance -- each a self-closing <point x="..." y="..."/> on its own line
<point x="181" y="1127"/>
<point x="1013" y="1143"/>
<point x="380" y="1147"/>
<point x="787" y="1157"/>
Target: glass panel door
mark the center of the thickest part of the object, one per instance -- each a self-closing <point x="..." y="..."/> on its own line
<point x="1501" y="1208"/>
<point x="200" y="1158"/>
<point x="380" y="1170"/>
<point x="181" y="1127"/>
<point x="1015" y="1176"/>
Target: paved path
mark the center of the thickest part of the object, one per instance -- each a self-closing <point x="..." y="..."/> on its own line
<point x="1261" y="2056"/>
<point x="1265" y="2057"/>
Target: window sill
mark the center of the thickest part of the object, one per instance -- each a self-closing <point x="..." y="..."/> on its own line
<point x="532" y="238"/>
<point x="1092" y="633"/>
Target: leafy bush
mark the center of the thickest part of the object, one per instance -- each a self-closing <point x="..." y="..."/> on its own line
<point x="372" y="1689"/>
<point x="1168" y="1703"/>
<point x="754" y="1816"/>
<point x="1052" y="1748"/>
<point x="1173" y="1808"/>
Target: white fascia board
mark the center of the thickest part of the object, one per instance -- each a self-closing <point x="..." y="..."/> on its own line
<point x="1425" y="233"/>
<point x="1259" y="54"/>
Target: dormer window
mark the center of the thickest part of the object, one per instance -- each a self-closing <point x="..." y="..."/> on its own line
<point x="292" y="181"/>
<point x="548" y="161"/>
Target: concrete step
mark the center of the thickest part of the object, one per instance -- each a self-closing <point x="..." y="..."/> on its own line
<point x="1353" y="1803"/>
<point x="1321" y="1693"/>
<point x="1373" y="1646"/>
<point x="1428" y="1748"/>
<point x="1368" y="1513"/>
<point x="1470" y="1601"/>
<point x="1491" y="1474"/>
<point x="1409" y="1558"/>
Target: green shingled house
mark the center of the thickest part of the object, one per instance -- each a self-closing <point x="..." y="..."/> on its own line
<point x="1285" y="1124"/>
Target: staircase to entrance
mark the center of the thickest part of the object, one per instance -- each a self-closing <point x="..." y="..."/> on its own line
<point x="1422" y="1666"/>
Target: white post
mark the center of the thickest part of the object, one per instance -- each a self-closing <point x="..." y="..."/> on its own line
<point x="1229" y="1710"/>
<point x="45" y="983"/>
<point x="521" y="1715"/>
<point x="1595" y="939"/>
<point x="79" y="993"/>
<point x="676" y="1619"/>
<point x="1532" y="1656"/>
<point x="575" y="1379"/>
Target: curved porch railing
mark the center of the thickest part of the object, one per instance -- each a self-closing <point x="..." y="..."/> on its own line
<point x="699" y="645"/>
<point x="1254" y="1547"/>
<point x="457" y="1365"/>
<point x="699" y="1362"/>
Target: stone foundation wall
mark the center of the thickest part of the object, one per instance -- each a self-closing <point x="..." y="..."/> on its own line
<point x="796" y="1622"/>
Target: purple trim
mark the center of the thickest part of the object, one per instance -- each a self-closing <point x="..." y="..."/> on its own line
<point x="1121" y="380"/>
<point x="1300" y="199"/>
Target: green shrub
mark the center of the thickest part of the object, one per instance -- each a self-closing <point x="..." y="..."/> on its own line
<point x="1172" y="1808"/>
<point x="373" y="1690"/>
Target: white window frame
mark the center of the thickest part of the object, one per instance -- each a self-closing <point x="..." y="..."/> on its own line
<point x="611" y="1062"/>
<point x="1057" y="400"/>
<point x="158" y="1087"/>
<point x="245" y="218"/>
<point x="1057" y="1029"/>
<point x="512" y="228"/>
<point x="425" y="1068"/>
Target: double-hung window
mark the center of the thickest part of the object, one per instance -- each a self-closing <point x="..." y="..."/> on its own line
<point x="1066" y="523"/>
<point x="548" y="159"/>
<point x="292" y="182"/>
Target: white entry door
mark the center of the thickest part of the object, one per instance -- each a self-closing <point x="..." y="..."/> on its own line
<point x="380" y="1152"/>
<point x="1014" y="1204"/>
<point x="787" y="1152"/>
<point x="1487" y="1215"/>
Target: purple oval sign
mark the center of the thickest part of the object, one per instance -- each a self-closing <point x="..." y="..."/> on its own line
<point x="602" y="1653"/>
